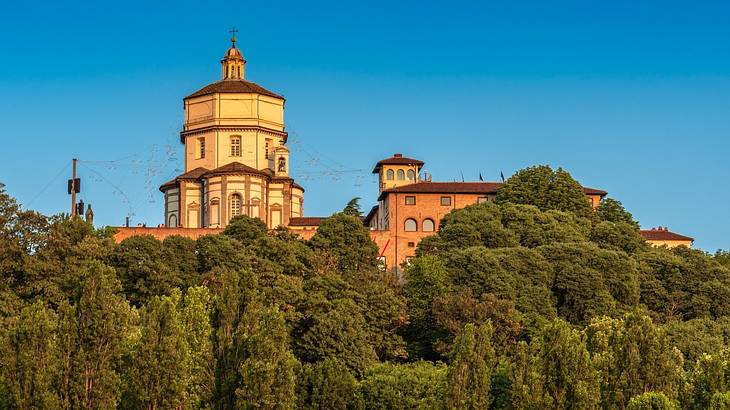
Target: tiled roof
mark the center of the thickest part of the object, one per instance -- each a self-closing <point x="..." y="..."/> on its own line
<point x="237" y="168"/>
<point x="396" y="159"/>
<point x="307" y="221"/>
<point x="460" y="188"/>
<point x="233" y="86"/>
<point x="192" y="174"/>
<point x="663" y="234"/>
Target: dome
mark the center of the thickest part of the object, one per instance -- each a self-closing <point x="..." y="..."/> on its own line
<point x="233" y="53"/>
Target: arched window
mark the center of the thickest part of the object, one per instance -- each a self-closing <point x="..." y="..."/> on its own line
<point x="411" y="175"/>
<point x="428" y="225"/>
<point x="235" y="146"/>
<point x="411" y="225"/>
<point x="235" y="205"/>
<point x="239" y="71"/>
<point x="401" y="175"/>
<point x="389" y="175"/>
<point x="172" y="221"/>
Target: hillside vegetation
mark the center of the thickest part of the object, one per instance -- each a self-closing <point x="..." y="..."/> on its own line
<point x="532" y="301"/>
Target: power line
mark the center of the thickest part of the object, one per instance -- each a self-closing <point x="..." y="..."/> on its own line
<point x="63" y="169"/>
<point x="116" y="188"/>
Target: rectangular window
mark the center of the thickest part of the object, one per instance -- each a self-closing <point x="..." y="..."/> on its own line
<point x="201" y="147"/>
<point x="410" y="200"/>
<point x="235" y="146"/>
<point x="446" y="201"/>
<point x="482" y="199"/>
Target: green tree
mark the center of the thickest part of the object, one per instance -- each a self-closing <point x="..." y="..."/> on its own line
<point x="178" y="253"/>
<point x="198" y="329"/>
<point x="426" y="279"/>
<point x="245" y="229"/>
<point x="221" y="251"/>
<point x="349" y="241"/>
<point x="455" y="310"/>
<point x="652" y="401"/>
<point x="697" y="337"/>
<point x="590" y="281"/>
<point x="620" y="236"/>
<point x="140" y="264"/>
<point x="268" y="371"/>
<point x="353" y="208"/>
<point x="710" y="375"/>
<point x="555" y="371"/>
<point x="28" y="363"/>
<point x="339" y="332"/>
<point x="233" y="291"/>
<point x="470" y="371"/>
<point x="684" y="283"/>
<point x="546" y="189"/>
<point x="723" y="257"/>
<point x="612" y="210"/>
<point x="159" y="371"/>
<point x="418" y="385"/>
<point x="720" y="401"/>
<point x="327" y="385"/>
<point x="634" y="356"/>
<point x="91" y="340"/>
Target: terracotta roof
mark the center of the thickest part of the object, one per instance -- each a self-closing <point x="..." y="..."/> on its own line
<point x="593" y="191"/>
<point x="663" y="234"/>
<point x="237" y="168"/>
<point x="396" y="159"/>
<point x="460" y="188"/>
<point x="233" y="86"/>
<point x="192" y="174"/>
<point x="307" y="221"/>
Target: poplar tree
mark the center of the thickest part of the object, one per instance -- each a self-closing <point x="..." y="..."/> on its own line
<point x="268" y="378"/>
<point x="634" y="356"/>
<point x="555" y="371"/>
<point x="470" y="371"/>
<point x="92" y="335"/>
<point x="160" y="369"/>
<point x="232" y="292"/>
<point x="199" y="332"/>
<point x="28" y="363"/>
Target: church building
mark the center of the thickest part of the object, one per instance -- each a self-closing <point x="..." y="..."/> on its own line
<point x="236" y="159"/>
<point x="237" y="163"/>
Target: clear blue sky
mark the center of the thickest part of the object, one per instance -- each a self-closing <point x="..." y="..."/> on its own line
<point x="631" y="97"/>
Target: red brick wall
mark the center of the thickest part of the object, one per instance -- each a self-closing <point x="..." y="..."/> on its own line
<point x="162" y="233"/>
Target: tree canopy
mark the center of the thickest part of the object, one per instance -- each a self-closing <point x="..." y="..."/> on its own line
<point x="532" y="301"/>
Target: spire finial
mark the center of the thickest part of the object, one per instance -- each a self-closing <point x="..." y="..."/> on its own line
<point x="233" y="32"/>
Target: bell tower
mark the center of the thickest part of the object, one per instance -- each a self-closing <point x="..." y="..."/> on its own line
<point x="233" y="63"/>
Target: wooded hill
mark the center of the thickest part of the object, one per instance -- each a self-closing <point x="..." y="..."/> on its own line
<point x="533" y="301"/>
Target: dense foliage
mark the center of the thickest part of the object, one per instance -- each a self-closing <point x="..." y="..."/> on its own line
<point x="533" y="301"/>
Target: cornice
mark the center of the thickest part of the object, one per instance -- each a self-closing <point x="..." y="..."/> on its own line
<point x="234" y="128"/>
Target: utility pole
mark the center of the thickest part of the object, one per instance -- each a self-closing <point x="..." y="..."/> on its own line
<point x="74" y="187"/>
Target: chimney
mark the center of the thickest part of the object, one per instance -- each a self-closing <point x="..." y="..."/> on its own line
<point x="398" y="155"/>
